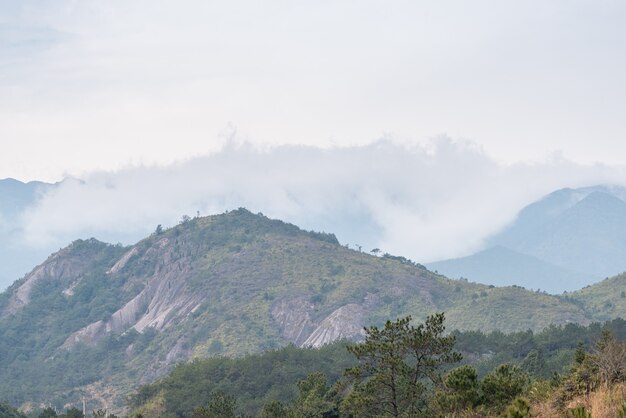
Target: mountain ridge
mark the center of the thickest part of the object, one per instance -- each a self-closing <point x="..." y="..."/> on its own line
<point x="227" y="284"/>
<point x="578" y="231"/>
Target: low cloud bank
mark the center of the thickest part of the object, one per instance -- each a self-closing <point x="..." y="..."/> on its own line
<point x="423" y="202"/>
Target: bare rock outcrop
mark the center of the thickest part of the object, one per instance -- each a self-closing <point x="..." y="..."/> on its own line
<point x="344" y="323"/>
<point x="164" y="300"/>
<point x="61" y="266"/>
<point x="121" y="263"/>
<point x="293" y="317"/>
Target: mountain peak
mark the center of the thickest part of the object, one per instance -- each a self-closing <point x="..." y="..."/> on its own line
<point x="244" y="222"/>
<point x="602" y="199"/>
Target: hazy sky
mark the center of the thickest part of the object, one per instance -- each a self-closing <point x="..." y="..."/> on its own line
<point x="87" y="85"/>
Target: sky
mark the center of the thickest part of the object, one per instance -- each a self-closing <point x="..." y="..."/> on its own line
<point x="419" y="127"/>
<point x="106" y="85"/>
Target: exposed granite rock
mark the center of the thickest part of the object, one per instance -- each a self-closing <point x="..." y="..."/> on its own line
<point x="121" y="263"/>
<point x="165" y="299"/>
<point x="344" y="323"/>
<point x="294" y="319"/>
<point x="62" y="266"/>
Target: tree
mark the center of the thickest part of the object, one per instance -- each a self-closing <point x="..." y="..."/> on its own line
<point x="7" y="411"/>
<point x="534" y="363"/>
<point x="49" y="412"/>
<point x="275" y="409"/>
<point x="72" y="413"/>
<point x="219" y="405"/>
<point x="503" y="385"/>
<point x="395" y="365"/>
<point x="580" y="354"/>
<point x="461" y="390"/>
<point x="519" y="409"/>
<point x="315" y="399"/>
<point x="609" y="357"/>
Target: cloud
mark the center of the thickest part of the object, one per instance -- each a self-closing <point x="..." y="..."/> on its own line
<point x="425" y="202"/>
<point x="117" y="81"/>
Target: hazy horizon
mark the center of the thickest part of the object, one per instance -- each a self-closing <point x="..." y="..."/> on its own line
<point x="90" y="86"/>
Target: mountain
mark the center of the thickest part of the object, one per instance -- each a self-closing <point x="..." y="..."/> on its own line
<point x="96" y="320"/>
<point x="15" y="196"/>
<point x="16" y="259"/>
<point x="506" y="267"/>
<point x="570" y="238"/>
<point x="604" y="300"/>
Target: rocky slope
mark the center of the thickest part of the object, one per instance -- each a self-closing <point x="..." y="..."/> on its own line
<point x="111" y="318"/>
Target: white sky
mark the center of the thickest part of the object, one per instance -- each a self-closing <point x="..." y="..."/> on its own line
<point x="89" y="85"/>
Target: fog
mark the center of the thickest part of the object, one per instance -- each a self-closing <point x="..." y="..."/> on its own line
<point x="88" y="85"/>
<point x="425" y="202"/>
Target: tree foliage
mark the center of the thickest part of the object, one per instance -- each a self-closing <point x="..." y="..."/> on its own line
<point x="396" y="365"/>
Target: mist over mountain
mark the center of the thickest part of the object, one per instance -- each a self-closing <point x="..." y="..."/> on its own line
<point x="425" y="202"/>
<point x="16" y="256"/>
<point x="568" y="239"/>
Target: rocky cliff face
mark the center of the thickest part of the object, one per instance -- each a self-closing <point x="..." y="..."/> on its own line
<point x="293" y="318"/>
<point x="345" y="323"/>
<point x="65" y="266"/>
<point x="165" y="299"/>
<point x="223" y="285"/>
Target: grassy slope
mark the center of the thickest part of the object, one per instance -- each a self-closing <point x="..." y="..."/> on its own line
<point x="604" y="300"/>
<point x="242" y="264"/>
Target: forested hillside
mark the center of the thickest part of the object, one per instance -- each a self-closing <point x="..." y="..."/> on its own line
<point x="494" y="370"/>
<point x="96" y="320"/>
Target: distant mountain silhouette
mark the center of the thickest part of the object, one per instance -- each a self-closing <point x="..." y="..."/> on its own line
<point x="505" y="267"/>
<point x="570" y="238"/>
<point x="15" y="258"/>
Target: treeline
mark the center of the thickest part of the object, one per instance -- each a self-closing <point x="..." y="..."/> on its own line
<point x="549" y="369"/>
<point x="400" y="370"/>
<point x="540" y="354"/>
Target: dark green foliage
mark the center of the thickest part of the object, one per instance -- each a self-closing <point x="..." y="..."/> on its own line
<point x="269" y="381"/>
<point x="519" y="409"/>
<point x="315" y="398"/>
<point x="72" y="413"/>
<point x="534" y="364"/>
<point x="7" y="411"/>
<point x="464" y="392"/>
<point x="48" y="412"/>
<point x="219" y="405"/>
<point x="461" y="390"/>
<point x="254" y="380"/>
<point x="540" y="354"/>
<point x="274" y="409"/>
<point x="396" y="364"/>
<point x="504" y="384"/>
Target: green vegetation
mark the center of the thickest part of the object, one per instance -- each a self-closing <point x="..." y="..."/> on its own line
<point x="7" y="411"/>
<point x="604" y="300"/>
<point x="267" y="384"/>
<point x="224" y="286"/>
<point x="395" y="366"/>
<point x="254" y="379"/>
